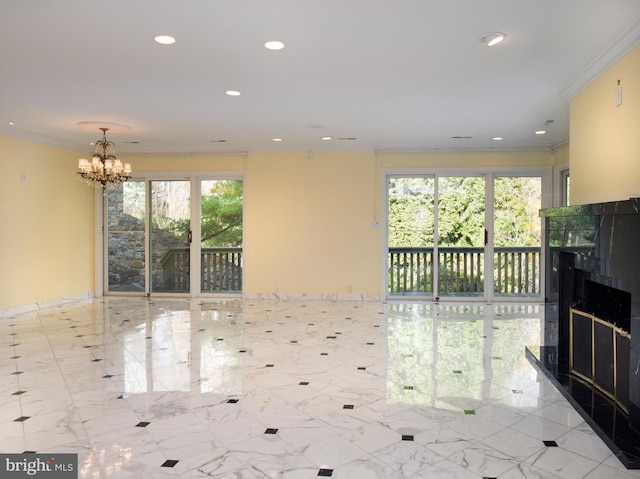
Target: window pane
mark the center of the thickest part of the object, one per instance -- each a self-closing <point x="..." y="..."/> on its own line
<point x="517" y="236"/>
<point x="410" y="233"/>
<point x="125" y="237"/>
<point x="221" y="235"/>
<point x="170" y="225"/>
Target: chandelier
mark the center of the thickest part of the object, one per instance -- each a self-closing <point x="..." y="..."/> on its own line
<point x="104" y="169"/>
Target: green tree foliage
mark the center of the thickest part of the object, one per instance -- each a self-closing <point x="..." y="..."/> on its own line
<point x="517" y="208"/>
<point x="221" y="223"/>
<point x="221" y="215"/>
<point x="411" y="211"/>
<point x="461" y="211"/>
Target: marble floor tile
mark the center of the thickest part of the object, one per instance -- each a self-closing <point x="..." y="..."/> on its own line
<point x="255" y="389"/>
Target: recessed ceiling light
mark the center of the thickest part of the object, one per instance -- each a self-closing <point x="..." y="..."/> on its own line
<point x="327" y="138"/>
<point x="11" y="123"/>
<point x="493" y="38"/>
<point x="233" y="93"/>
<point x="541" y="132"/>
<point x="164" y="39"/>
<point x="277" y="139"/>
<point x="498" y="138"/>
<point x="274" y="45"/>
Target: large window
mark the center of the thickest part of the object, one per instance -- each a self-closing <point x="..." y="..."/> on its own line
<point x="152" y="246"/>
<point x="464" y="236"/>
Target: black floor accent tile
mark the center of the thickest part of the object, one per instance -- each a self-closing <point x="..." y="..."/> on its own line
<point x="18" y="393"/>
<point x="325" y="472"/>
<point x="28" y="452"/>
<point x="331" y="337"/>
<point x="96" y="360"/>
<point x="15" y="344"/>
<point x="15" y="357"/>
<point x="269" y="366"/>
<point x="21" y="419"/>
<point x="347" y="406"/>
<point x="268" y="331"/>
<point x="143" y="424"/>
<point x="407" y="437"/>
<point x="369" y="344"/>
<point x="487" y="477"/>
<point x="304" y="383"/>
<point x="271" y="430"/>
<point x="242" y="351"/>
<point x="17" y="373"/>
<point x="324" y="354"/>
<point x="169" y="463"/>
<point x="550" y="443"/>
<point x="362" y="368"/>
<point x="232" y="401"/>
<point x="120" y="397"/>
<point x="87" y="347"/>
<point x="294" y="342"/>
<point x="107" y="376"/>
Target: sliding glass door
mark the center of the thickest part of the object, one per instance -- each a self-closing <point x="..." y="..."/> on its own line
<point x="126" y="238"/>
<point x="464" y="236"/>
<point x="461" y="236"/>
<point x="221" y="236"/>
<point x="517" y="236"/>
<point x="170" y="236"/>
<point x="152" y="246"/>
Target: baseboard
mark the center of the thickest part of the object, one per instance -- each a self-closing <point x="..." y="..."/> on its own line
<point x="34" y="307"/>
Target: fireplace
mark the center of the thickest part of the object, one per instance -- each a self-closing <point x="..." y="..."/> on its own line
<point x="592" y="318"/>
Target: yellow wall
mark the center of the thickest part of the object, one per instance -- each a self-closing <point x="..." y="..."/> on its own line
<point x="173" y="164"/>
<point x="605" y="138"/>
<point x="48" y="225"/>
<point x="309" y="224"/>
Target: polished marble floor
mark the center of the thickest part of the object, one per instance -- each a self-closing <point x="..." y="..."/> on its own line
<point x="153" y="388"/>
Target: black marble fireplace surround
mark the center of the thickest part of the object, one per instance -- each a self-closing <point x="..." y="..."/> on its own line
<point x="593" y="267"/>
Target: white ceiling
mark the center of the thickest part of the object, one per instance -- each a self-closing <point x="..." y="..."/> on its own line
<point x="393" y="74"/>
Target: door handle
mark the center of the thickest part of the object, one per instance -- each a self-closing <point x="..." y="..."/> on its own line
<point x="486" y="237"/>
<point x="189" y="236"/>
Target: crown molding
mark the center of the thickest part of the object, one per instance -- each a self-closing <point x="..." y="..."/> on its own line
<point x="602" y="62"/>
<point x="35" y="138"/>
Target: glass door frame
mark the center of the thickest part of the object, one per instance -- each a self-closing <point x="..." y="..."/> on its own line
<point x="195" y="179"/>
<point x="544" y="173"/>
